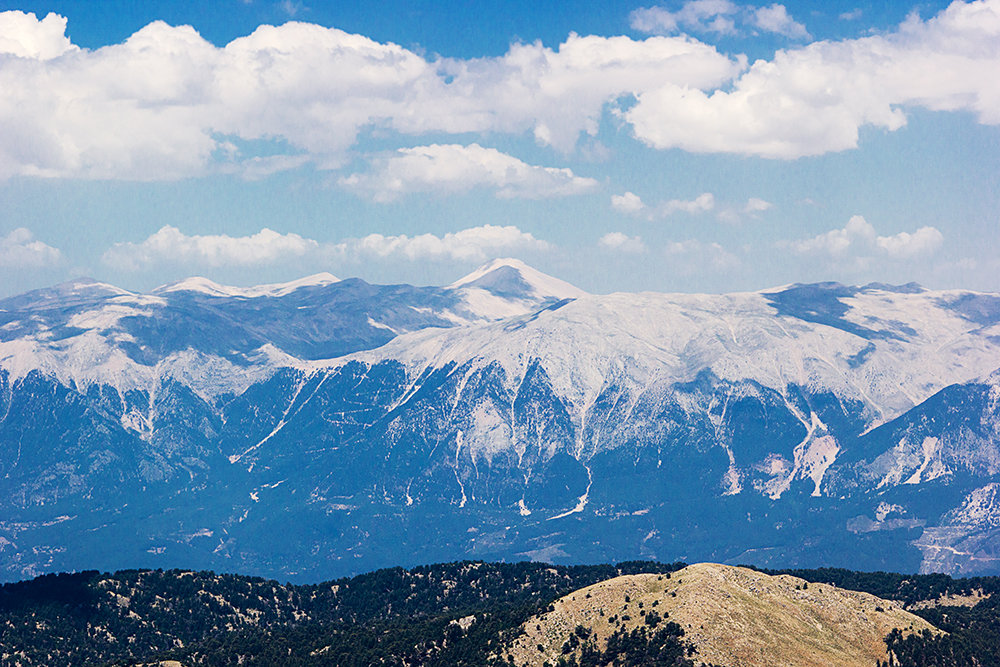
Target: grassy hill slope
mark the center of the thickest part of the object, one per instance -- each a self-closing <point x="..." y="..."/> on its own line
<point x="733" y="616"/>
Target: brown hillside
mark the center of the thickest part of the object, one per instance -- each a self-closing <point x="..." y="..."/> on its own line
<point x="734" y="616"/>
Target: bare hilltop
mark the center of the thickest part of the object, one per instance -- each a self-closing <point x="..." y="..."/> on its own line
<point x="734" y="616"/>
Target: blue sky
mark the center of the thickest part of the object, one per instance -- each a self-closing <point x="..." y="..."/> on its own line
<point x="704" y="145"/>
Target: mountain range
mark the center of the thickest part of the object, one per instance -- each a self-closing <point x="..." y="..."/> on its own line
<point x="324" y="427"/>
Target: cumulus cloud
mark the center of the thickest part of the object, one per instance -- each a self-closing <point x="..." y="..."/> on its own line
<point x="700" y="204"/>
<point x="775" y="18"/>
<point x="631" y="203"/>
<point x="814" y="99"/>
<point x="164" y="103"/>
<point x="858" y="239"/>
<point x="24" y="35"/>
<point x="473" y="244"/>
<point x="717" y="16"/>
<point x="170" y="245"/>
<point x="622" y="242"/>
<point x="20" y="249"/>
<point x="627" y="203"/>
<point x="695" y="15"/>
<point x="857" y="231"/>
<point x="904" y="245"/>
<point x="456" y="168"/>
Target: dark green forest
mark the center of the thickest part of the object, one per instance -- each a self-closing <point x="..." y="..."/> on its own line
<point x="399" y="617"/>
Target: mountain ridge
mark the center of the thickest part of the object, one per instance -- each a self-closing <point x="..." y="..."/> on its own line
<point x="788" y="427"/>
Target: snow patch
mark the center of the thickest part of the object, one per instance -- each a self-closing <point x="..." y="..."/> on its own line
<point x="929" y="448"/>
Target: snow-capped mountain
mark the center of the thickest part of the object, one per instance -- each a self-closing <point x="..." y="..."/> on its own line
<point x="326" y="426"/>
<point x="85" y="332"/>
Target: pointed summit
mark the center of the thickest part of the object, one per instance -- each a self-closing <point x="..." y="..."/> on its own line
<point x="512" y="278"/>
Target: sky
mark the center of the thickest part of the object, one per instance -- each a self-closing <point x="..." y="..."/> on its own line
<point x="688" y="146"/>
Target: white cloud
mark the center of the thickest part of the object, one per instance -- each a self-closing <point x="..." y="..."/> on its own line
<point x="904" y="245"/>
<point x="775" y="18"/>
<point x="20" y="249"/>
<point x="622" y="242"/>
<point x="24" y="35"/>
<point x="654" y="20"/>
<point x="857" y="232"/>
<point x="631" y="203"/>
<point x="814" y="99"/>
<point x="455" y="168"/>
<point x="559" y="94"/>
<point x="693" y="256"/>
<point x="165" y="103"/>
<point x="858" y="239"/>
<point x="695" y="15"/>
<point x="700" y="204"/>
<point x="627" y="203"/>
<point x="473" y="244"/>
<point x="852" y="15"/>
<point x="756" y="205"/>
<point x="716" y="16"/>
<point x="170" y="245"/>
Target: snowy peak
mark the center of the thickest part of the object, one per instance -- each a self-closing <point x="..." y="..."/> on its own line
<point x="512" y="278"/>
<point x="210" y="288"/>
<point x="196" y="284"/>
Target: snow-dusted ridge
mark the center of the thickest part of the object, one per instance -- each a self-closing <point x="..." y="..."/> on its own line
<point x="640" y="338"/>
<point x="211" y="288"/>
<point x="85" y="332"/>
<point x="508" y="313"/>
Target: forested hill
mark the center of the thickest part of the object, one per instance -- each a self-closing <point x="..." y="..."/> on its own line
<point x="449" y="614"/>
<point x="207" y="618"/>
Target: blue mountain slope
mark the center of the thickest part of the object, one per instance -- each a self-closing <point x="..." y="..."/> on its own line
<point x="506" y="416"/>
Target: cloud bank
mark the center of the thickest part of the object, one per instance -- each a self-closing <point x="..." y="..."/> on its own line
<point x="167" y="104"/>
<point x="814" y="100"/>
<point x="473" y="244"/>
<point x="267" y="247"/>
<point x="171" y="245"/>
